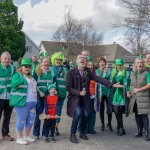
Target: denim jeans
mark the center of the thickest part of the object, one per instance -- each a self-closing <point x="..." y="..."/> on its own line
<point x="80" y="112"/>
<point x="25" y="116"/>
<point x="6" y="110"/>
<point x="37" y="122"/>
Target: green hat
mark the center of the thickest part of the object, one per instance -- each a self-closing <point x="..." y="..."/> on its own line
<point x="51" y="86"/>
<point x="25" y="62"/>
<point x="119" y="61"/>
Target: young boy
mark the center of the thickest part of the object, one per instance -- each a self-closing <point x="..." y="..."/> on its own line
<point x="51" y="110"/>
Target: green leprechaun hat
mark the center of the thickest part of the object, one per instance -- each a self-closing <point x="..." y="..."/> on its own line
<point x="119" y="61"/>
<point x="25" y="62"/>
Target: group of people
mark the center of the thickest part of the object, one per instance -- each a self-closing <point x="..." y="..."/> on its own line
<point x="38" y="87"/>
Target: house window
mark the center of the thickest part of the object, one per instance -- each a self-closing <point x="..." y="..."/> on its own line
<point x="29" y="49"/>
<point x="109" y="65"/>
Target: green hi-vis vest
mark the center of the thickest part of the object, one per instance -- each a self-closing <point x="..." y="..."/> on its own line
<point x="105" y="90"/>
<point x="5" y="77"/>
<point x="61" y="81"/>
<point x="46" y="77"/>
<point x="18" y="94"/>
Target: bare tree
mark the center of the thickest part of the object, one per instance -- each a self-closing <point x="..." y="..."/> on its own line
<point x="76" y="35"/>
<point x="136" y="25"/>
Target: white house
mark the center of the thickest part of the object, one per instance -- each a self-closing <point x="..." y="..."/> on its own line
<point x="31" y="48"/>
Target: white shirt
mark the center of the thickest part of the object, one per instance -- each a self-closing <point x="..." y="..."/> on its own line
<point x="31" y="90"/>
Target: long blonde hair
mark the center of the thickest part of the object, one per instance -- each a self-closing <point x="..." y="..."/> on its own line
<point x="135" y="64"/>
<point x="39" y="67"/>
<point x="21" y="72"/>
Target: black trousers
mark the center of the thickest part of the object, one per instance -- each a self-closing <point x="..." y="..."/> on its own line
<point x="50" y="126"/>
<point x="102" y="110"/>
<point x="6" y="110"/>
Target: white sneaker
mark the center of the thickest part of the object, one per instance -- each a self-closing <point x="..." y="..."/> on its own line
<point x="29" y="139"/>
<point x="21" y="141"/>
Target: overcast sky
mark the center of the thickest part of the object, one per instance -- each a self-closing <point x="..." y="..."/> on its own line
<point x="42" y="17"/>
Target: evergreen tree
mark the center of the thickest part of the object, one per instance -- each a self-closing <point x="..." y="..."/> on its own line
<point x="12" y="39"/>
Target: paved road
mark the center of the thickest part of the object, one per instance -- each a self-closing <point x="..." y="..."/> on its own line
<point x="101" y="141"/>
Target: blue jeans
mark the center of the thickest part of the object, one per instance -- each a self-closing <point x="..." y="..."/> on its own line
<point x="80" y="112"/>
<point x="37" y="123"/>
<point x="25" y="116"/>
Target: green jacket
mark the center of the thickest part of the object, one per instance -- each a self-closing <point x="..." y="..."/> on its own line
<point x="5" y="77"/>
<point x="18" y="92"/>
<point x="61" y="80"/>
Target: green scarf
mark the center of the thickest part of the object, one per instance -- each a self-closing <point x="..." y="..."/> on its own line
<point x="148" y="66"/>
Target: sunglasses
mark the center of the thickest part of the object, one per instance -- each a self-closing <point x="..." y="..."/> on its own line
<point x="27" y="66"/>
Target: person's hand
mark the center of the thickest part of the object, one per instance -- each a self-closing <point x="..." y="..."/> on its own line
<point x="82" y="93"/>
<point x="41" y="94"/>
<point x="48" y="116"/>
<point x="105" y="70"/>
<point x="136" y="91"/>
<point x="118" y="85"/>
<point x="128" y="95"/>
<point x="100" y="100"/>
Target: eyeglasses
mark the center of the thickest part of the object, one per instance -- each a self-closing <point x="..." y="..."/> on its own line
<point x="27" y="67"/>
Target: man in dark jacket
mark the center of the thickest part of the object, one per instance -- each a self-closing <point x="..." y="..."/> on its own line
<point x="78" y="105"/>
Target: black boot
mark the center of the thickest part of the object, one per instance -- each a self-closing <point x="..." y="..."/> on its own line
<point x="139" y="133"/>
<point x="73" y="138"/>
<point x="147" y="135"/>
<point x="83" y="136"/>
<point x="121" y="132"/>
<point x="117" y="130"/>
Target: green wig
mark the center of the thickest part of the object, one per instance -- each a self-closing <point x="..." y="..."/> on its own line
<point x="57" y="55"/>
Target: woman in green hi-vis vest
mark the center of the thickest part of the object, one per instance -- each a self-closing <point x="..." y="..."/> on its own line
<point x="43" y="75"/>
<point x="118" y="99"/>
<point x="60" y="72"/>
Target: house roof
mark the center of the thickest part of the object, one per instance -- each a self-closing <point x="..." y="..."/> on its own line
<point x="31" y="41"/>
<point x="112" y="51"/>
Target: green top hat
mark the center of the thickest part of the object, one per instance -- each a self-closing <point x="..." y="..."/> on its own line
<point x="51" y="86"/>
<point x="25" y="62"/>
<point x="119" y="61"/>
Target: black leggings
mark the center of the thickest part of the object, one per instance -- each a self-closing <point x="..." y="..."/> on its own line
<point x="119" y="115"/>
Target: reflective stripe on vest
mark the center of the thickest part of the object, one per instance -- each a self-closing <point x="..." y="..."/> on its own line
<point x="42" y="87"/>
<point x="45" y="81"/>
<point x="22" y="86"/>
<point x="18" y="93"/>
<point x="62" y="86"/>
<point x="2" y="86"/>
<point x="8" y="85"/>
<point x="61" y="79"/>
<point x="2" y="79"/>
